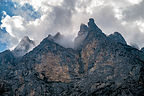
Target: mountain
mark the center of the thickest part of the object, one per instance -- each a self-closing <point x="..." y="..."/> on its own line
<point x="117" y="37"/>
<point x="6" y="58"/>
<point x="81" y="36"/>
<point x="24" y="46"/>
<point x="56" y="38"/>
<point x="98" y="66"/>
<point x="9" y="57"/>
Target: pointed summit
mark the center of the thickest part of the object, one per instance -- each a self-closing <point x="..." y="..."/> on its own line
<point x="24" y="46"/>
<point x="91" y="23"/>
<point x="57" y="36"/>
<point x="25" y="38"/>
<point x="88" y="33"/>
<point x="81" y="36"/>
<point x="83" y="29"/>
<point x="92" y="26"/>
<point x="93" y="29"/>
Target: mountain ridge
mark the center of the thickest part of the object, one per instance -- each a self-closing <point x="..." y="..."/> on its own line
<point x="98" y="66"/>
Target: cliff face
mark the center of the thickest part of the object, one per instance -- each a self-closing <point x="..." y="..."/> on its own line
<point x="113" y="68"/>
<point x="99" y="66"/>
<point x="78" y="42"/>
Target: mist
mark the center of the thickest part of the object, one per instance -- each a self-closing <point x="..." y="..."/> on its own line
<point x="64" y="16"/>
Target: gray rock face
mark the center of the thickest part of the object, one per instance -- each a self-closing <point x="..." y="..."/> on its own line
<point x="142" y="49"/>
<point x="23" y="47"/>
<point x="110" y="65"/>
<point x="61" y="40"/>
<point x="56" y="37"/>
<point x="81" y="36"/>
<point x="100" y="67"/>
<point x="117" y="37"/>
<point x="6" y="57"/>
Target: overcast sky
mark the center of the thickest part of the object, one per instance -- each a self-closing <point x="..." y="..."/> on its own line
<point x="38" y="18"/>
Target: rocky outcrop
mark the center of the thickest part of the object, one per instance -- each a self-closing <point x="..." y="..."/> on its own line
<point x="117" y="37"/>
<point x="6" y="57"/>
<point x="99" y="66"/>
<point x="23" y="47"/>
<point x="56" y="37"/>
<point x="81" y="36"/>
<point x="61" y="40"/>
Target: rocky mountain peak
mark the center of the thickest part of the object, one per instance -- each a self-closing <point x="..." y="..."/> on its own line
<point x="92" y="25"/>
<point x="25" y="38"/>
<point x="24" y="46"/>
<point x="81" y="36"/>
<point x="83" y="29"/>
<point x="57" y="36"/>
<point x="117" y="37"/>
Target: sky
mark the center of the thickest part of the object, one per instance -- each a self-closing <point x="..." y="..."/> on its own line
<point x="38" y="18"/>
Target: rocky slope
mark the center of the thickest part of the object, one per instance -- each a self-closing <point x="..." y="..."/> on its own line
<point x="100" y="65"/>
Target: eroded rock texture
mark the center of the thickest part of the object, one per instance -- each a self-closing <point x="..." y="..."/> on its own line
<point x="98" y="66"/>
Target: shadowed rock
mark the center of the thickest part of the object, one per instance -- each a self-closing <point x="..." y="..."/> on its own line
<point x="81" y="36"/>
<point x="56" y="37"/>
<point x="117" y="37"/>
<point x="6" y="58"/>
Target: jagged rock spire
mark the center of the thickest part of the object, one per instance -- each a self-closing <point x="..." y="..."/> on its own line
<point x="56" y="37"/>
<point x="92" y="25"/>
<point x="83" y="29"/>
<point x="81" y="36"/>
<point x="24" y="46"/>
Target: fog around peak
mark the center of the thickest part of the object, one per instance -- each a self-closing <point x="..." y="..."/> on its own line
<point x="39" y="19"/>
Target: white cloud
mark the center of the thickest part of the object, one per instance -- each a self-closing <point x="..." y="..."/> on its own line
<point x="66" y="16"/>
<point x="135" y="1"/>
<point x="13" y="25"/>
<point x="17" y="27"/>
<point x="40" y="4"/>
<point x="140" y="24"/>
